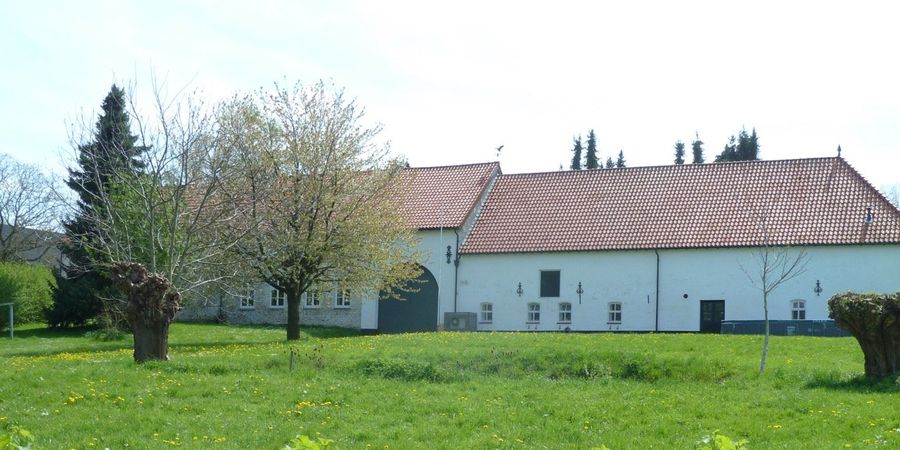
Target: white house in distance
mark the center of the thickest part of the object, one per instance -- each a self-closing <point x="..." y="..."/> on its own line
<point x="664" y="248"/>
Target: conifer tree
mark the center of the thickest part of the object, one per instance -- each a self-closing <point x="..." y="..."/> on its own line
<point x="591" y="161"/>
<point x="113" y="148"/>
<point x="679" y="152"/>
<point x="610" y="164"/>
<point x="620" y="161"/>
<point x="743" y="147"/>
<point x="576" y="154"/>
<point x="697" y="148"/>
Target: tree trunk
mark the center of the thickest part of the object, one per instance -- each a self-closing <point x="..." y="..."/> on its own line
<point x="874" y="320"/>
<point x="765" y="350"/>
<point x="293" y="311"/>
<point x="152" y="302"/>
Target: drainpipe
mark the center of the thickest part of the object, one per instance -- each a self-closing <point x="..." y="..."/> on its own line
<point x="656" y="322"/>
<point x="456" y="271"/>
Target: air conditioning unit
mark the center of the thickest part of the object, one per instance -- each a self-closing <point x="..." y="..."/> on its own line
<point x="460" y="321"/>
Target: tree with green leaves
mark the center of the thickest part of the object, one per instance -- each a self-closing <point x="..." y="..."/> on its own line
<point x="679" y="152"/>
<point x="330" y="220"/>
<point x="620" y="161"/>
<point x="697" y="149"/>
<point x="576" y="153"/>
<point x="112" y="150"/>
<point x="591" y="161"/>
<point x="743" y="147"/>
<point x="610" y="164"/>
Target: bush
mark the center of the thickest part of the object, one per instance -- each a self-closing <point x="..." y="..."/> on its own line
<point x="28" y="287"/>
<point x="76" y="300"/>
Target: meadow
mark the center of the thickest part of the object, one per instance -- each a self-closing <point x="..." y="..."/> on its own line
<point x="233" y="387"/>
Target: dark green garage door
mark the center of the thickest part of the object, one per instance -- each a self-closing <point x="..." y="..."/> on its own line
<point x="416" y="312"/>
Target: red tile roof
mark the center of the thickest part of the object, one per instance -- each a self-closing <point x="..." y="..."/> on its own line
<point x="805" y="202"/>
<point x="436" y="197"/>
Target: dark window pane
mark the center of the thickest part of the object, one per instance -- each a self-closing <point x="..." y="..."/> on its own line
<point x="549" y="283"/>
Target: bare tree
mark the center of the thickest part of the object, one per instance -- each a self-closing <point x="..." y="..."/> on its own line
<point x="161" y="228"/>
<point x="317" y="195"/>
<point x="773" y="266"/>
<point x="892" y="193"/>
<point x="29" y="207"/>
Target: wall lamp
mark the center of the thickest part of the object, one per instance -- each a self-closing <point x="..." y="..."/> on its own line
<point x="449" y="254"/>
<point x="519" y="290"/>
<point x="818" y="288"/>
<point x="579" y="291"/>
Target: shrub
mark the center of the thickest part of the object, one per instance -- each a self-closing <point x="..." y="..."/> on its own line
<point x="874" y="320"/>
<point x="28" y="287"/>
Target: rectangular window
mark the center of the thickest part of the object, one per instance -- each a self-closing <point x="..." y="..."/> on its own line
<point x="247" y="300"/>
<point x="342" y="299"/>
<point x="487" y="313"/>
<point x="278" y="298"/>
<point x="798" y="310"/>
<point x="549" y="283"/>
<point x="312" y="298"/>
<point x="534" y="312"/>
<point x="615" y="312"/>
<point x="565" y="313"/>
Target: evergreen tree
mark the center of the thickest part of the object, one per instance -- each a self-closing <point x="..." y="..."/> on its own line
<point x="620" y="162"/>
<point x="697" y="148"/>
<point x="591" y="161"/>
<point x="610" y="164"/>
<point x="679" y="152"/>
<point x="743" y="147"/>
<point x="80" y="285"/>
<point x="576" y="154"/>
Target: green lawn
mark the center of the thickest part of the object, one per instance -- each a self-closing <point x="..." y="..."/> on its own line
<point x="231" y="387"/>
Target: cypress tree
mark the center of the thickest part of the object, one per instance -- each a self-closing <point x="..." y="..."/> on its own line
<point x="679" y="152"/>
<point x="576" y="154"/>
<point x="697" y="148"/>
<point x="620" y="162"/>
<point x="81" y="286"/>
<point x="591" y="161"/>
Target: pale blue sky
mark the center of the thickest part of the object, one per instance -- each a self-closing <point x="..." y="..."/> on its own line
<point x="450" y="81"/>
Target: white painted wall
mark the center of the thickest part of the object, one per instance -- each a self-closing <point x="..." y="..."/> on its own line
<point x="630" y="277"/>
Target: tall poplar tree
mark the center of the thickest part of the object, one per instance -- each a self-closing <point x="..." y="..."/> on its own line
<point x="590" y="160"/>
<point x="576" y="154"/>
<point x="697" y="148"/>
<point x="113" y="148"/>
<point x="679" y="152"/>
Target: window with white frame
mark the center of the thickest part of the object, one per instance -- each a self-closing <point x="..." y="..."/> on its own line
<point x="342" y="299"/>
<point x="247" y="300"/>
<point x="534" y="312"/>
<point x="487" y="313"/>
<point x="277" y="298"/>
<point x="615" y="312"/>
<point x="565" y="312"/>
<point x="313" y="299"/>
<point x="798" y="310"/>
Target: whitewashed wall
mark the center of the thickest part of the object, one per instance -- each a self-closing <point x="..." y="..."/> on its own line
<point x="630" y="277"/>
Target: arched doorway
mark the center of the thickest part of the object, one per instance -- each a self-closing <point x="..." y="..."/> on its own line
<point x="416" y="312"/>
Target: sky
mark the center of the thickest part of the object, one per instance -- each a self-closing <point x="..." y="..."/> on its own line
<point x="451" y="81"/>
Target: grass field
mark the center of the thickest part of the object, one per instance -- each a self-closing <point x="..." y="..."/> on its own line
<point x="232" y="388"/>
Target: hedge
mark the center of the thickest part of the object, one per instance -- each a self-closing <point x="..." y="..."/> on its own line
<point x="28" y="287"/>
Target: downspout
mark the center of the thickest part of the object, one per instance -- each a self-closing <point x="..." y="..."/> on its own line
<point x="456" y="271"/>
<point x="656" y="321"/>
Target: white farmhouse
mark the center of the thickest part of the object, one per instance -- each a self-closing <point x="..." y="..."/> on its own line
<point x="665" y="248"/>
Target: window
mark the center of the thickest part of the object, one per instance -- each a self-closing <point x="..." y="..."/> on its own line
<point x="565" y="313"/>
<point x="487" y="313"/>
<point x="342" y="299"/>
<point x="798" y="310"/>
<point x="615" y="312"/>
<point x="278" y="297"/>
<point x="247" y="300"/>
<point x="534" y="312"/>
<point x="549" y="283"/>
<point x="312" y="298"/>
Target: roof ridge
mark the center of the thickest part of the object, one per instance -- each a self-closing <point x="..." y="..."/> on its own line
<point x="489" y="163"/>
<point x="657" y="166"/>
